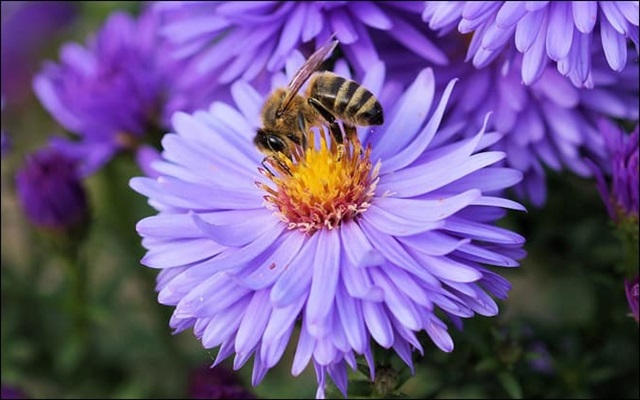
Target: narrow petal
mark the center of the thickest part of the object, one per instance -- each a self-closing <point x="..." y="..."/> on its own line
<point x="174" y="253"/>
<point x="397" y="255"/>
<point x="343" y="27"/>
<point x="409" y="154"/>
<point x="378" y="323"/>
<point x="535" y="59"/>
<point x="585" y="14"/>
<point x="434" y="243"/>
<point x="528" y="29"/>
<point x="399" y="305"/>
<point x="253" y="323"/>
<point x="304" y="351"/>
<point x="499" y="202"/>
<point x="395" y="225"/>
<point x="483" y="232"/>
<point x="372" y="15"/>
<point x="238" y="234"/>
<point x="210" y="297"/>
<point x="338" y="372"/>
<point x="510" y="13"/>
<point x="614" y="46"/>
<point x="405" y="282"/>
<point x="411" y="38"/>
<point x="613" y="15"/>
<point x="427" y="210"/>
<point x="447" y="268"/>
<point x="350" y="315"/>
<point x="233" y="258"/>
<point x="326" y="270"/>
<point x="271" y="352"/>
<point x="414" y="181"/>
<point x="224" y="324"/>
<point x="325" y="352"/>
<point x="407" y="115"/>
<point x="296" y="279"/>
<point x="357" y="247"/>
<point x="262" y="275"/>
<point x="560" y="30"/>
<point x="438" y="333"/>
<point x="630" y="11"/>
<point x="282" y="319"/>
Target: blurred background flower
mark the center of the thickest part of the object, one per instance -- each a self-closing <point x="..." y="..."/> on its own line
<point x="549" y="124"/>
<point x="562" y="31"/>
<point x="621" y="195"/>
<point x="27" y="26"/>
<point x="113" y="93"/>
<point x="228" y="40"/>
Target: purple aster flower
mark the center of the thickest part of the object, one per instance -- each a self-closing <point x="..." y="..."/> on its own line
<point x="562" y="31"/>
<point x="216" y="383"/>
<point x="227" y="40"/>
<point x="51" y="193"/>
<point x="548" y="124"/>
<point x="632" y="291"/>
<point x="622" y="198"/>
<point x="112" y="92"/>
<point x="365" y="244"/>
<point x="27" y="28"/>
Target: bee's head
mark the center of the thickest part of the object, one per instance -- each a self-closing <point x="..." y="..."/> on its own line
<point x="269" y="143"/>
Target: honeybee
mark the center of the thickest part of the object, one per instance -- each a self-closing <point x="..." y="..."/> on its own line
<point x="287" y="115"/>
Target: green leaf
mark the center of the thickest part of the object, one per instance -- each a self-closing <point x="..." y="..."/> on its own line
<point x="510" y="385"/>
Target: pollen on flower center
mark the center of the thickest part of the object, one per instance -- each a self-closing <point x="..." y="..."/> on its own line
<point x="323" y="185"/>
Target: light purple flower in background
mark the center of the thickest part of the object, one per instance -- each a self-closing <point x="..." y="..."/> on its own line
<point x="621" y="198"/>
<point x="544" y="31"/>
<point x="228" y="40"/>
<point x="112" y="91"/>
<point x="548" y="124"/>
<point x="366" y="246"/>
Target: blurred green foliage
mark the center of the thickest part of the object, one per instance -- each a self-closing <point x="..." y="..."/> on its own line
<point x="564" y="332"/>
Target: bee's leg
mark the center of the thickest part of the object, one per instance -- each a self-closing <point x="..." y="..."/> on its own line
<point x="303" y="130"/>
<point x="280" y="164"/>
<point x="326" y="114"/>
<point x="350" y="130"/>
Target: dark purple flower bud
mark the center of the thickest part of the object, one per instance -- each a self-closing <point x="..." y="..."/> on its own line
<point x="216" y="383"/>
<point x="50" y="191"/>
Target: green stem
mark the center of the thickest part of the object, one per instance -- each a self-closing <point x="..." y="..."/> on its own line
<point x="76" y="273"/>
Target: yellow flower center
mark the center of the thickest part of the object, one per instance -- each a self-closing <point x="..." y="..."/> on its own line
<point x="322" y="186"/>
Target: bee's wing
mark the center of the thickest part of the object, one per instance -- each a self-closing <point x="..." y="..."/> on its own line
<point x="309" y="67"/>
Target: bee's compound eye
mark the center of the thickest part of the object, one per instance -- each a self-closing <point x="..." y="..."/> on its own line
<point x="275" y="143"/>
